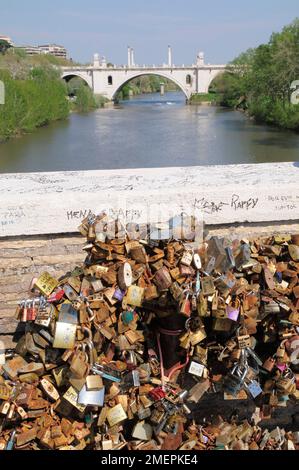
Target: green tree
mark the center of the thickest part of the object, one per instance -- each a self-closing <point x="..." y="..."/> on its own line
<point x="4" y="46"/>
<point x="261" y="78"/>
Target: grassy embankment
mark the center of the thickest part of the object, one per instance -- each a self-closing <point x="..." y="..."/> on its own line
<point x="35" y="95"/>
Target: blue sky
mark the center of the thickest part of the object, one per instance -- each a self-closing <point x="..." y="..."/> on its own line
<point x="220" y="28"/>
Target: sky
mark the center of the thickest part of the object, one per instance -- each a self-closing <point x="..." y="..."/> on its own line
<point x="220" y="28"/>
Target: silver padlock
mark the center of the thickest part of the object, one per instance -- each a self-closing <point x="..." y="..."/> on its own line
<point x="234" y="381"/>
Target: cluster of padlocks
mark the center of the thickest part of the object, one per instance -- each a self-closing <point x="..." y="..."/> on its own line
<point x="122" y="351"/>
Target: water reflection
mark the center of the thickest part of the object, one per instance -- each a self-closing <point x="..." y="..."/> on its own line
<point x="149" y="131"/>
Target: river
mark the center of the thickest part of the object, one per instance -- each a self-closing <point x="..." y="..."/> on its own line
<point x="148" y="131"/>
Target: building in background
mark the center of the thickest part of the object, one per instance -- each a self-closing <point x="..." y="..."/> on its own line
<point x="53" y="49"/>
<point x="30" y="50"/>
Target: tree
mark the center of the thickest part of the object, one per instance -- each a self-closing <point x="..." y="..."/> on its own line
<point x="4" y="46"/>
<point x="263" y="77"/>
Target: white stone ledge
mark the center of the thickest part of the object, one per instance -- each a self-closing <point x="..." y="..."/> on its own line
<point x="45" y="203"/>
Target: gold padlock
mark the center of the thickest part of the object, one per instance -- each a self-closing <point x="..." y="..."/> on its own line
<point x="202" y="306"/>
<point x="134" y="296"/>
<point x="106" y="443"/>
<point x="46" y="283"/>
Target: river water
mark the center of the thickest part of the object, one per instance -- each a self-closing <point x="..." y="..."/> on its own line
<point x="148" y="131"/>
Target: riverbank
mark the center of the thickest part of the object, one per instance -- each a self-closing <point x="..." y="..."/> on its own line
<point x="32" y="102"/>
<point x="40" y="100"/>
<point x="35" y="95"/>
<point x="263" y="81"/>
<point x="205" y="98"/>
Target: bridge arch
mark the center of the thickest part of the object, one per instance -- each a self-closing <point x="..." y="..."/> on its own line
<point x="67" y="76"/>
<point x="157" y="74"/>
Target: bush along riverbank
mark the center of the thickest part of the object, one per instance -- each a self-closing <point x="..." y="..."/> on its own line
<point x="35" y="95"/>
<point x="213" y="98"/>
<point x="31" y="103"/>
<point x="259" y="81"/>
<point x="81" y="97"/>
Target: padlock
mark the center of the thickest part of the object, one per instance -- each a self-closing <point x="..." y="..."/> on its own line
<point x="124" y="276"/>
<point x="79" y="364"/>
<point x="233" y="310"/>
<point x="221" y="324"/>
<point x="170" y="255"/>
<point x="45" y="313"/>
<point x="220" y="308"/>
<point x="216" y="249"/>
<point x="273" y="399"/>
<point x="235" y="354"/>
<point x="244" y="340"/>
<point x="46" y="283"/>
<point x="193" y="302"/>
<point x="197" y="261"/>
<point x="280" y="352"/>
<point x="254" y="388"/>
<point x="106" y="442"/>
<point x="176" y="291"/>
<point x="196" y="369"/>
<point x="234" y="381"/>
<point x="202" y="306"/>
<point x="185" y="307"/>
<point x="286" y="382"/>
<point x="157" y="416"/>
<point x="186" y="258"/>
<point x="294" y="252"/>
<point x="49" y="389"/>
<point x="162" y="279"/>
<point x="243" y="257"/>
<point x="4" y="408"/>
<point x="150" y="293"/>
<point x="269" y="364"/>
<point x="207" y="286"/>
<point x="116" y="415"/>
<point x="134" y="296"/>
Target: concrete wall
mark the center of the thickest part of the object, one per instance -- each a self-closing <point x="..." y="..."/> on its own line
<point x="47" y="203"/>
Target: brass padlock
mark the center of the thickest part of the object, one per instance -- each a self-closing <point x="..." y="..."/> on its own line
<point x="202" y="306"/>
<point x="79" y="365"/>
<point x="269" y="364"/>
<point x="244" y="340"/>
<point x="157" y="416"/>
<point x="46" y="283"/>
<point x="176" y="291"/>
<point x="134" y="296"/>
<point x="106" y="442"/>
<point x="187" y="258"/>
<point x="280" y="352"/>
<point x="207" y="286"/>
<point x="162" y="279"/>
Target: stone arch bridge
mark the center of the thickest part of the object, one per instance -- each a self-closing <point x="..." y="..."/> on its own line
<point x="108" y="80"/>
